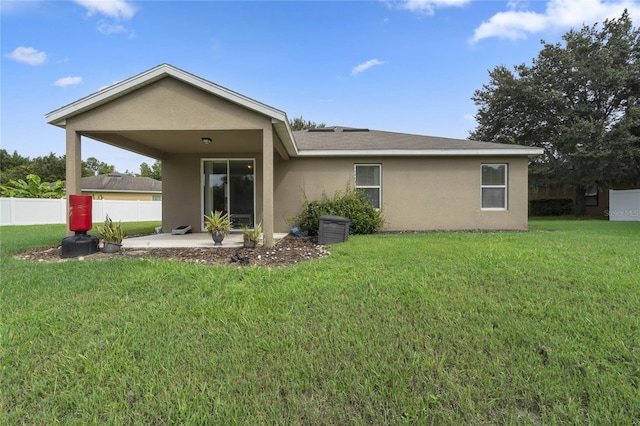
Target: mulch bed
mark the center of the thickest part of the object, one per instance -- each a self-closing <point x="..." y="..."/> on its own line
<point x="288" y="251"/>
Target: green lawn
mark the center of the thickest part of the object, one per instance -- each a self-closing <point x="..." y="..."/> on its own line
<point x="537" y="327"/>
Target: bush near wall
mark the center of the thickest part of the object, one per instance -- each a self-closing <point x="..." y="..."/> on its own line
<point x="363" y="216"/>
<point x="551" y="207"/>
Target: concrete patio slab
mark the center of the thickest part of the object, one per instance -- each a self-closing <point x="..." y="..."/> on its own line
<point x="192" y="240"/>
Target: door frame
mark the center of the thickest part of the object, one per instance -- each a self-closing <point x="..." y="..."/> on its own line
<point x="202" y="183"/>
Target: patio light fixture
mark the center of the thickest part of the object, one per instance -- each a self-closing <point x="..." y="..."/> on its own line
<point x="206" y="141"/>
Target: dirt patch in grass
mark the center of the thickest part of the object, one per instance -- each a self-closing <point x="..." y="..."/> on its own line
<point x="288" y="251"/>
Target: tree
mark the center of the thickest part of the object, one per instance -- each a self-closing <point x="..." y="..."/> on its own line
<point x="33" y="187"/>
<point x="154" y="172"/>
<point x="299" y="123"/>
<point x="12" y="166"/>
<point x="94" y="167"/>
<point x="49" y="167"/>
<point x="579" y="101"/>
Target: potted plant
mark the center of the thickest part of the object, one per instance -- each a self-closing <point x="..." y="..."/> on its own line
<point x="251" y="236"/>
<point x="112" y="235"/>
<point x="218" y="225"/>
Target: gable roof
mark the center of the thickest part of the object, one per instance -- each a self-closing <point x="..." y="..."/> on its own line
<point x="279" y="119"/>
<point x="117" y="182"/>
<point x="348" y="141"/>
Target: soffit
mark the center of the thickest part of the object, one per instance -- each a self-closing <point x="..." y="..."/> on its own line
<point x="161" y="144"/>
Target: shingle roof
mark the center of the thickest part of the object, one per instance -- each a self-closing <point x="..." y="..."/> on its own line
<point x="337" y="139"/>
<point x="117" y="182"/>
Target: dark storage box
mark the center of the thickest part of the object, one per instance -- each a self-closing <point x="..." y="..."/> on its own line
<point x="333" y="229"/>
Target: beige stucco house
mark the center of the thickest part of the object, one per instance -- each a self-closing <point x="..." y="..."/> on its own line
<point x="122" y="187"/>
<point x="222" y="150"/>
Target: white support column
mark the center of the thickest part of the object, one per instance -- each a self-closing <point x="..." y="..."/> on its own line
<point x="267" y="186"/>
<point x="74" y="167"/>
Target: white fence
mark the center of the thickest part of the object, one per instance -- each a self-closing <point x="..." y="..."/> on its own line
<point x="624" y="205"/>
<point x="37" y="211"/>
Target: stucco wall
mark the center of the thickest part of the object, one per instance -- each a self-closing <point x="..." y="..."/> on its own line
<point x="440" y="193"/>
<point x="182" y="189"/>
<point x="417" y="193"/>
<point x="184" y="107"/>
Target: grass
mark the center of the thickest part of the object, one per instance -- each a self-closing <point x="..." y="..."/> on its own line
<point x="539" y="327"/>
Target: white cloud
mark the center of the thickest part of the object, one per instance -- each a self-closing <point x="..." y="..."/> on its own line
<point x="365" y="66"/>
<point x="117" y="9"/>
<point x="68" y="81"/>
<point x="558" y="15"/>
<point x="429" y="6"/>
<point x="108" y="28"/>
<point x="28" y="55"/>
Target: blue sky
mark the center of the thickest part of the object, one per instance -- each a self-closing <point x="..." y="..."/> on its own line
<point x="406" y="66"/>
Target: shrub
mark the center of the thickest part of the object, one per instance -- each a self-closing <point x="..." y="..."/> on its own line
<point x="551" y="207"/>
<point x="33" y="187"/>
<point x="110" y="231"/>
<point x="353" y="204"/>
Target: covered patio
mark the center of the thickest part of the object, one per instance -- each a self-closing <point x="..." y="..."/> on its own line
<point x="217" y="146"/>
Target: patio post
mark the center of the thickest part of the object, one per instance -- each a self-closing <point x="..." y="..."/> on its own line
<point x="267" y="185"/>
<point x="73" y="167"/>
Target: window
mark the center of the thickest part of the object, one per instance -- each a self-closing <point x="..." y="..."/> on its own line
<point x="368" y="180"/>
<point x="494" y="186"/>
<point x="591" y="197"/>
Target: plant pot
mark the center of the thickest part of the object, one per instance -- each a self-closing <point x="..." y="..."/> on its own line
<point x="110" y="247"/>
<point x="217" y="237"/>
<point x="250" y="243"/>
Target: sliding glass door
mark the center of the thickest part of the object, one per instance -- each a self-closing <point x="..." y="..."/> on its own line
<point x="229" y="186"/>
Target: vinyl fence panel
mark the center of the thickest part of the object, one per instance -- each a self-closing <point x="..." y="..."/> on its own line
<point x="624" y="206"/>
<point x="37" y="211"/>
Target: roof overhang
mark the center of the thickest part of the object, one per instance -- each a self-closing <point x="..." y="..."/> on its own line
<point x="421" y="152"/>
<point x="279" y="119"/>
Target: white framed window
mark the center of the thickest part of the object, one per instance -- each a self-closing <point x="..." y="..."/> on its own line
<point x="494" y="186"/>
<point x="369" y="180"/>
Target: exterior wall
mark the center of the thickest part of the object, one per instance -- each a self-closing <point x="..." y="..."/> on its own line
<point x="125" y="196"/>
<point x="185" y="108"/>
<point x="436" y="193"/>
<point x="182" y="188"/>
<point x="440" y="193"/>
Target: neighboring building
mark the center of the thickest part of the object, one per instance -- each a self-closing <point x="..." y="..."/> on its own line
<point x="596" y="199"/>
<point x="118" y="186"/>
<point x="222" y="150"/>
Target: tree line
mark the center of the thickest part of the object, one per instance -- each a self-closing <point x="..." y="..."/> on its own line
<point x="52" y="167"/>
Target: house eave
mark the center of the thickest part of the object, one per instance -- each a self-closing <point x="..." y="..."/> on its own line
<point x="286" y="135"/>
<point x="58" y="117"/>
<point x="420" y="152"/>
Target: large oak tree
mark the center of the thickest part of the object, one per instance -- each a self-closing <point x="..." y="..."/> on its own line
<point x="579" y="100"/>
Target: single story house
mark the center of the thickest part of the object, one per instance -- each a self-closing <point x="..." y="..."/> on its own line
<point x="225" y="151"/>
<point x="118" y="186"/>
